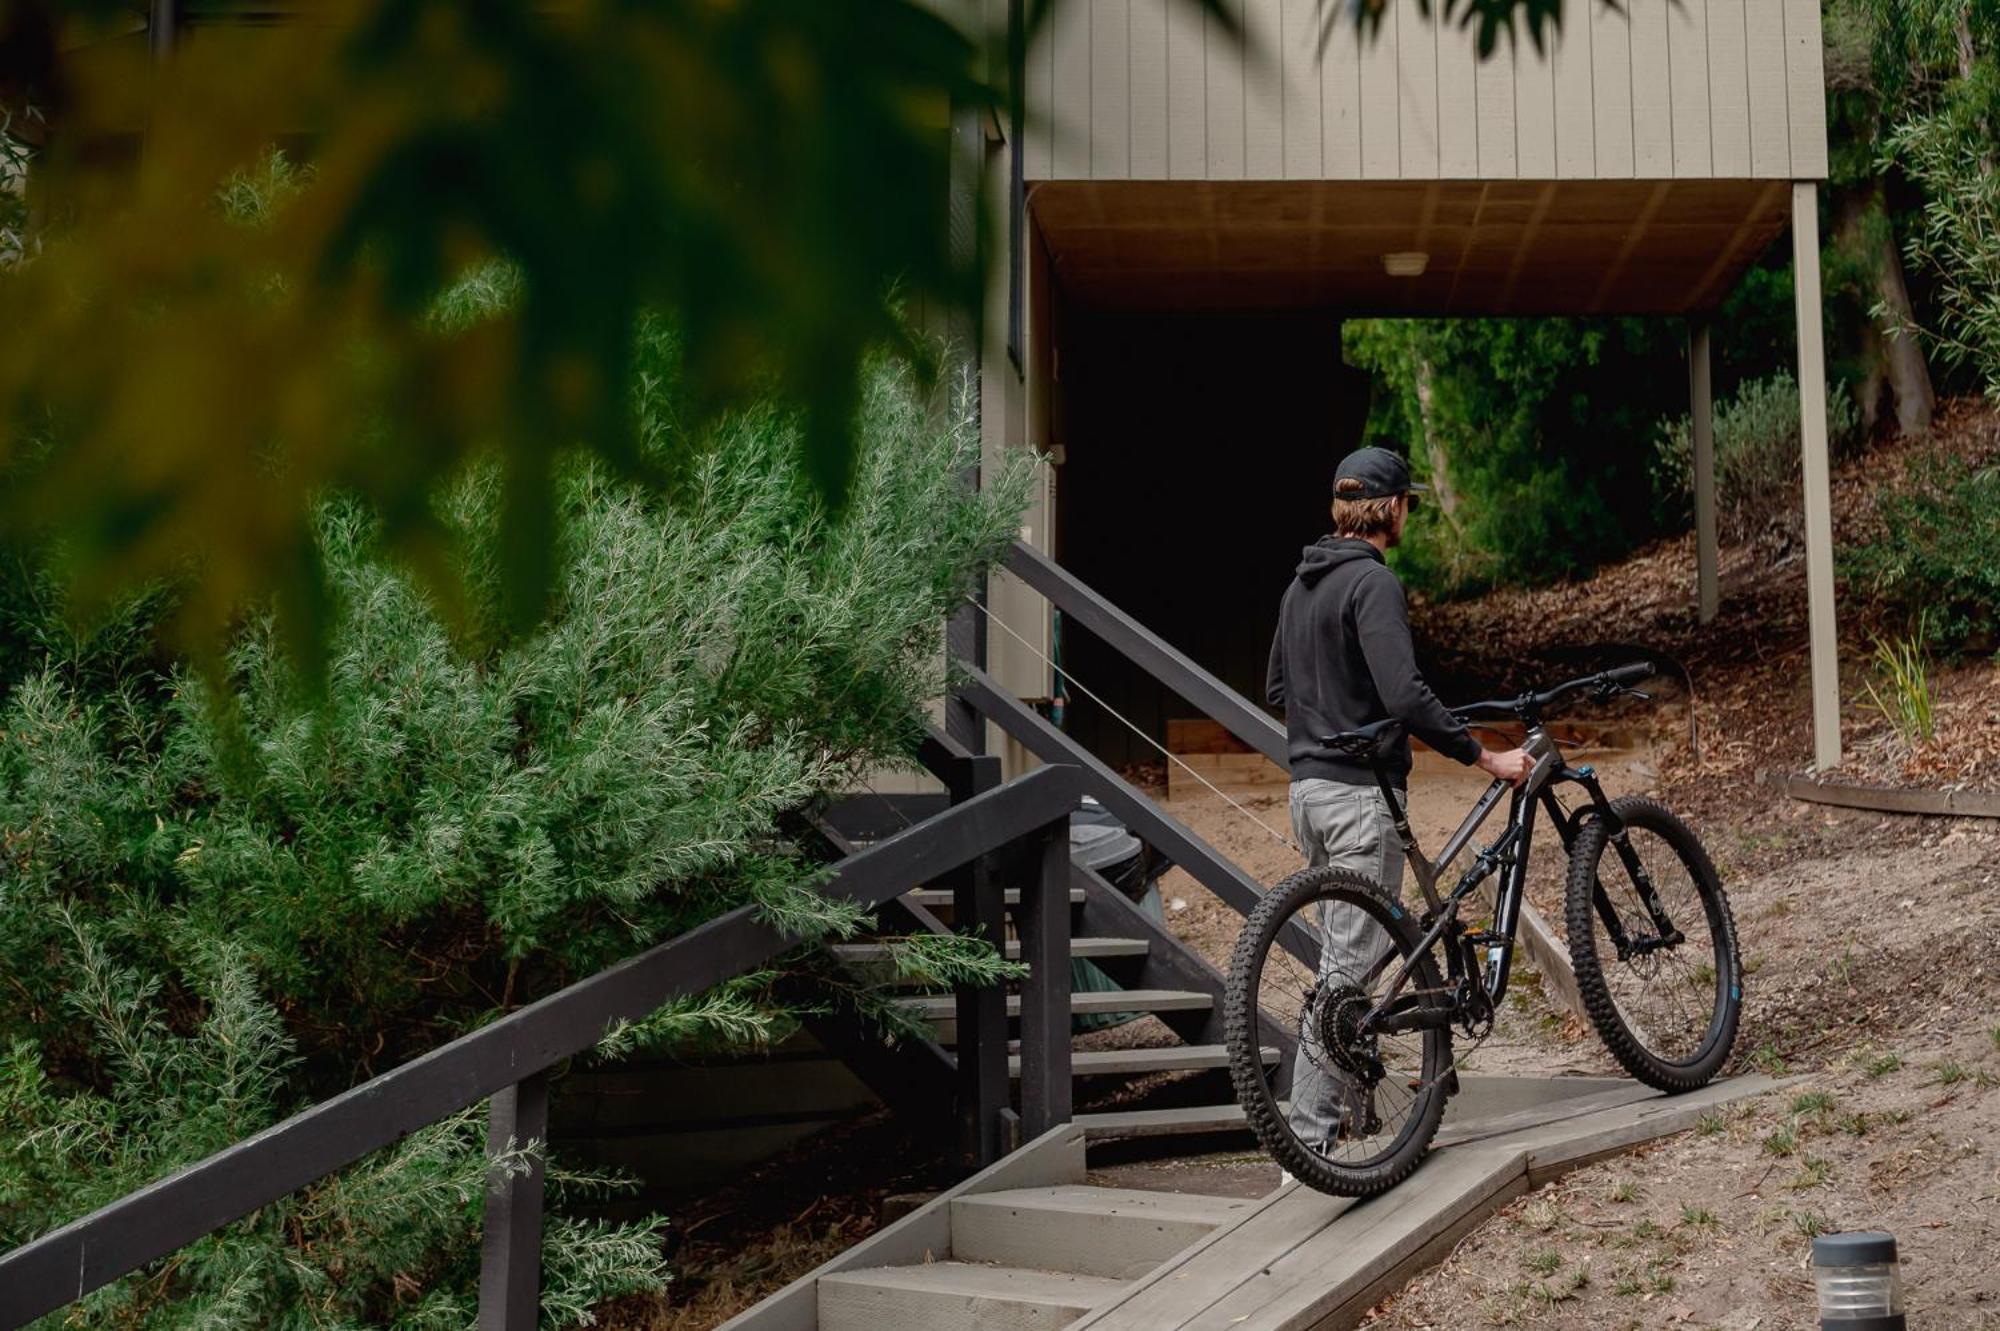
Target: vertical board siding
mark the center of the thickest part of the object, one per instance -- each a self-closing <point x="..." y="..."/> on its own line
<point x="1417" y="91"/>
<point x="1687" y="69"/>
<point x="1652" y="97"/>
<point x="1038" y="160"/>
<point x="1149" y="88"/>
<point x="1498" y="148"/>
<point x="1340" y="103"/>
<point x="1187" y="92"/>
<point x="1071" y="22"/>
<point x="1302" y="89"/>
<point x="1381" y="154"/>
<point x="1611" y="74"/>
<point x="1576" y="136"/>
<point x="1264" y="91"/>
<point x="1110" y="89"/>
<point x="1225" y="97"/>
<point x="1535" y="109"/>
<point x="1805" y="81"/>
<point x="1728" y="89"/>
<point x="1458" y="101"/>
<point x="1770" y="115"/>
<point x="1658" y="89"/>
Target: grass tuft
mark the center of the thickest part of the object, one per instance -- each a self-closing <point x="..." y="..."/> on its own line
<point x="1813" y="1173"/>
<point x="1877" y="1066"/>
<point x="1904" y="693"/>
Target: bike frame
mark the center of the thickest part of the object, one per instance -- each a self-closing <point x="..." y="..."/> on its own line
<point x="1476" y="991"/>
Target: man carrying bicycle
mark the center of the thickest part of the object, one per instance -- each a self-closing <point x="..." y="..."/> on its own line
<point x="1342" y="658"/>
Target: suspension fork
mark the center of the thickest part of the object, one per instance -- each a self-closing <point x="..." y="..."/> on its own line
<point x="1621" y="842"/>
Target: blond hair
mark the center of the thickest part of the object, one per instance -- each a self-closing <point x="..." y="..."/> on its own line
<point x="1362" y="517"/>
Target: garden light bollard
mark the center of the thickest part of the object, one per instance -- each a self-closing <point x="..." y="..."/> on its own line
<point x="1859" y="1286"/>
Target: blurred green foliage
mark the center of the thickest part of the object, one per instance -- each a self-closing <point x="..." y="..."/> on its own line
<point x="773" y="174"/>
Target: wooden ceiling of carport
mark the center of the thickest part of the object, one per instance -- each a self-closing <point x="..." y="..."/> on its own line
<point x="1495" y="247"/>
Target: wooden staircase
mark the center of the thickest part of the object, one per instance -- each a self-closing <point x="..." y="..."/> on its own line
<point x="1160" y="975"/>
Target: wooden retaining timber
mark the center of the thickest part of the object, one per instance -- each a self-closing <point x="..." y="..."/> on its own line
<point x="1889" y="799"/>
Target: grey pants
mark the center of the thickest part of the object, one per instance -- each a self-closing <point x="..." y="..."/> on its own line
<point x="1347" y="826"/>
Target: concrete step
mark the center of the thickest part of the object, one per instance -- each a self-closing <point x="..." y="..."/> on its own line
<point x="1137" y="1062"/>
<point x="1097" y="948"/>
<point x="1163" y="1122"/>
<point x="1111" y="1232"/>
<point x="940" y="898"/>
<point x="957" y="1296"/>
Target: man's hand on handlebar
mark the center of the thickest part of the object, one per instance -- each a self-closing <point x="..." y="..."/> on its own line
<point x="1512" y="766"/>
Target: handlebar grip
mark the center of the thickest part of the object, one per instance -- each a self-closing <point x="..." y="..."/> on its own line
<point x="1631" y="674"/>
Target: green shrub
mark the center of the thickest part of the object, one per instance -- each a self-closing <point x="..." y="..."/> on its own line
<point x="223" y="896"/>
<point x="1756" y="454"/>
<point x="1936" y="561"/>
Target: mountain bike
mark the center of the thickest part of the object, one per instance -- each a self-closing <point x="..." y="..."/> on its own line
<point x="1650" y="938"/>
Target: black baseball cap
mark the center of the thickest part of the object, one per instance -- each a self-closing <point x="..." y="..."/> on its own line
<point x="1381" y="474"/>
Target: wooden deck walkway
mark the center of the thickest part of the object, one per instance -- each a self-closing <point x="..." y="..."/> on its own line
<point x="1027" y="1246"/>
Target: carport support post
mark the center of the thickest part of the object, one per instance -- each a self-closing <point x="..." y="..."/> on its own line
<point x="1701" y="413"/>
<point x="1818" y="485"/>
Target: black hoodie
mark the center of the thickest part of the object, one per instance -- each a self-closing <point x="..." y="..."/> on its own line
<point x="1342" y="658"/>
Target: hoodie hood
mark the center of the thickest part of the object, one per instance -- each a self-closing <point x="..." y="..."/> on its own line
<point x="1329" y="553"/>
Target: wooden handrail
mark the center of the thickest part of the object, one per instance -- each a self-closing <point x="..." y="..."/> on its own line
<point x="1150" y="652"/>
<point x="68" y="1263"/>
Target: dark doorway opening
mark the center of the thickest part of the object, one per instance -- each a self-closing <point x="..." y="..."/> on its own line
<point x="1198" y="458"/>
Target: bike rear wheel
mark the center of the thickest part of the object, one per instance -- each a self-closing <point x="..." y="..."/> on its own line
<point x="1666" y="1007"/>
<point x="1389" y="1089"/>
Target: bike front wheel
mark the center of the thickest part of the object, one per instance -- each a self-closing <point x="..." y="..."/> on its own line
<point x="1654" y="945"/>
<point x="1363" y="1106"/>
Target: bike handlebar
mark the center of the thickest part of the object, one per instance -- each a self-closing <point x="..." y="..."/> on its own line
<point x="1606" y="682"/>
<point x="1367" y="739"/>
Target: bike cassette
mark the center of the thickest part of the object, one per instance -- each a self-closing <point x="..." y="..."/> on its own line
<point x="1337" y="1026"/>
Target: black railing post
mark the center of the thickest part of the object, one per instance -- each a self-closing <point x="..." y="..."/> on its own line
<point x="1043" y="922"/>
<point x="510" y="1247"/>
<point x="978" y="908"/>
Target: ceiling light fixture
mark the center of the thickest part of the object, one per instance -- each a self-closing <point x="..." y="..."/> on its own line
<point x="1406" y="263"/>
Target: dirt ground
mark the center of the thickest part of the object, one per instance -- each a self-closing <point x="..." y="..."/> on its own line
<point x="1870" y="972"/>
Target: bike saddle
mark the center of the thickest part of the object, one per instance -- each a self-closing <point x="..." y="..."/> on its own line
<point x="1363" y="742"/>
